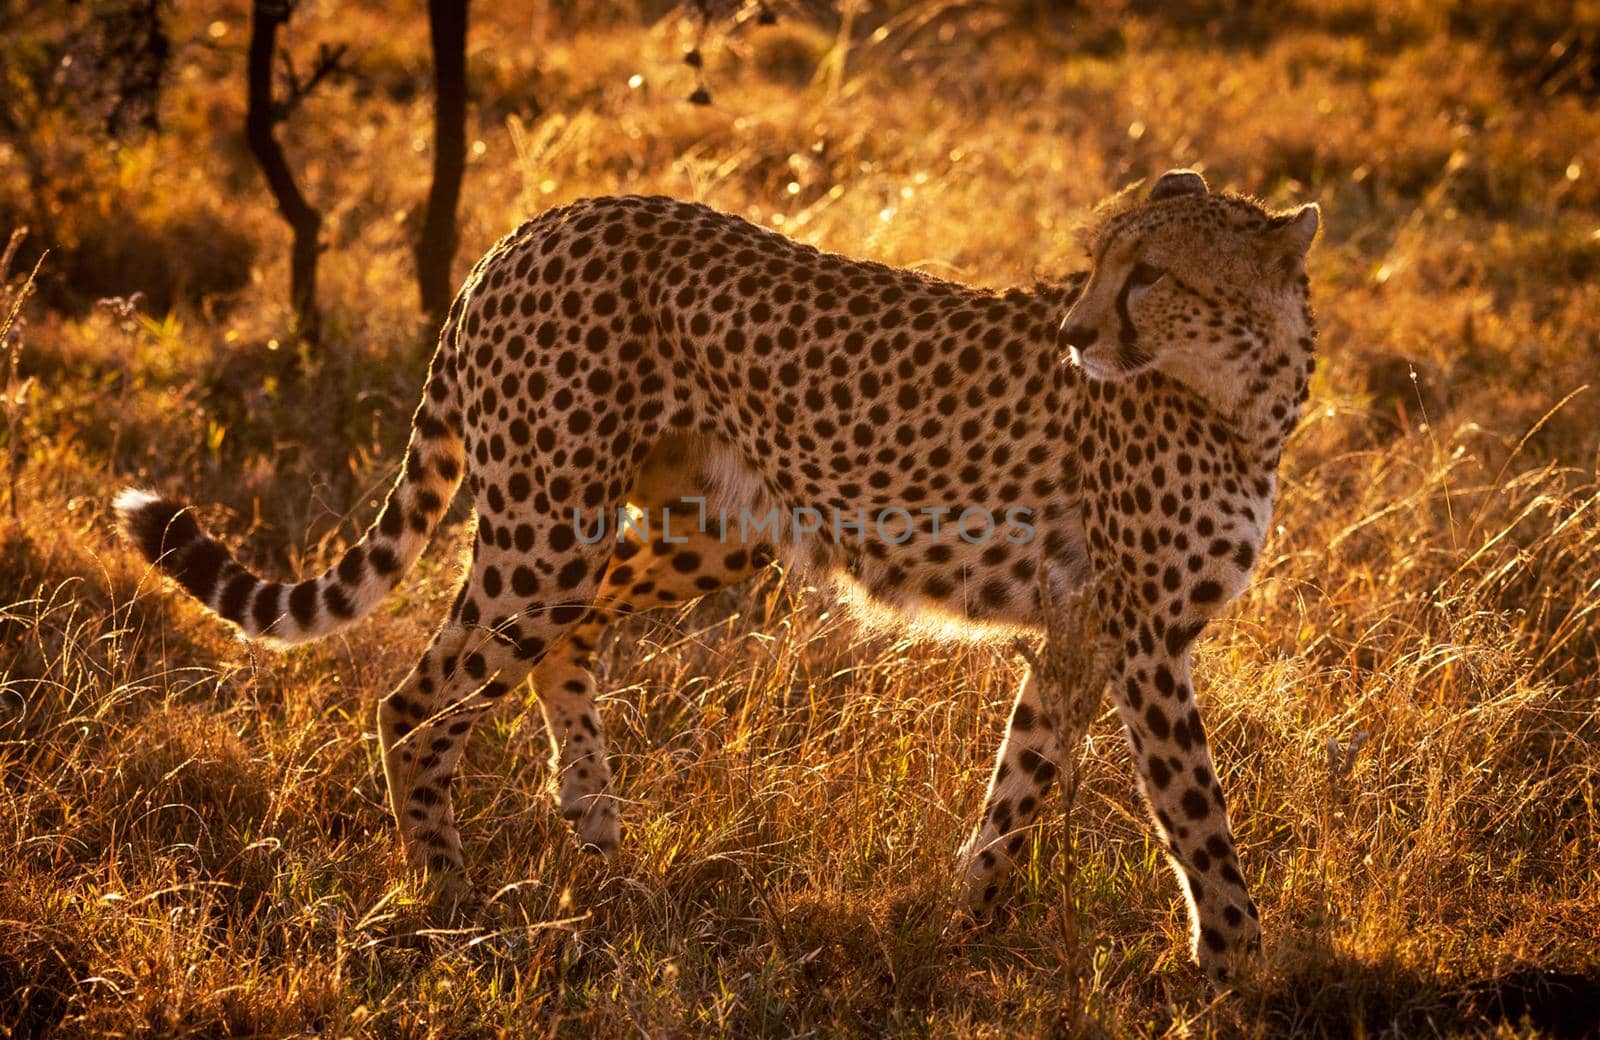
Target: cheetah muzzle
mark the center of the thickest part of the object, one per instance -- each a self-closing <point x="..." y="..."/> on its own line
<point x="661" y="353"/>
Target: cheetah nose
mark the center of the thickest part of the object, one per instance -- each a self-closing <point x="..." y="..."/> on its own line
<point x="1079" y="336"/>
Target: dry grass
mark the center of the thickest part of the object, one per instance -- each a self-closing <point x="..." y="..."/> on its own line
<point x="193" y="838"/>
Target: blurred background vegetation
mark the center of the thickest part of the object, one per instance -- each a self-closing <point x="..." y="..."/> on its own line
<point x="1404" y="706"/>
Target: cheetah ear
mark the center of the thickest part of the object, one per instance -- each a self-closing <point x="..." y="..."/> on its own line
<point x="1178" y="182"/>
<point x="1292" y="233"/>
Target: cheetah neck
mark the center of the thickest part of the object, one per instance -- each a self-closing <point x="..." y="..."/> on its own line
<point x="1259" y="399"/>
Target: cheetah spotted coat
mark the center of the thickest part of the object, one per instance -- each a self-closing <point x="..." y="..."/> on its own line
<point x="655" y="351"/>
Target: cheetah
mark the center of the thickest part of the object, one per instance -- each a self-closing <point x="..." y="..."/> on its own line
<point x="1130" y="420"/>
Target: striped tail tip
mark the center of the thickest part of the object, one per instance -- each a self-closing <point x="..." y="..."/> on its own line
<point x="167" y="535"/>
<point x="156" y="526"/>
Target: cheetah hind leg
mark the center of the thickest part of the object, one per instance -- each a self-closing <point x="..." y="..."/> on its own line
<point x="566" y="689"/>
<point x="640" y="576"/>
<point x="487" y="646"/>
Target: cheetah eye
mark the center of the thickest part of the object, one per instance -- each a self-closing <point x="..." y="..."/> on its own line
<point x="1144" y="275"/>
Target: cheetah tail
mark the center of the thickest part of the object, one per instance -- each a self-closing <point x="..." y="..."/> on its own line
<point x="167" y="534"/>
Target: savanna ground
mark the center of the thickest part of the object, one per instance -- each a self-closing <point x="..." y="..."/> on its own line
<point x="193" y="835"/>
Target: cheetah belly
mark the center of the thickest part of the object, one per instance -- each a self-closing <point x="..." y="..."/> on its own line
<point x="978" y="592"/>
<point x="899" y="568"/>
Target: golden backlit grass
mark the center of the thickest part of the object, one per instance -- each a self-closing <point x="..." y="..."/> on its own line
<point x="193" y="835"/>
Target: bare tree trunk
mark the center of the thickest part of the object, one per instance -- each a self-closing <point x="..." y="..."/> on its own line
<point x="260" y="119"/>
<point x="447" y="21"/>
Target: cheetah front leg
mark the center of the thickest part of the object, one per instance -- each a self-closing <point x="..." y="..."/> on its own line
<point x="1024" y="772"/>
<point x="1155" y="699"/>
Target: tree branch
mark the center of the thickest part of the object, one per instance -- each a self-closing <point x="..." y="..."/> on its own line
<point x="261" y="117"/>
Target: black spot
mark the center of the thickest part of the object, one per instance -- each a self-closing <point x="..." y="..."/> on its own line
<point x="234" y="597"/>
<point x="1160" y="775"/>
<point x="303" y="603"/>
<point x="338" y="601"/>
<point x="382" y="559"/>
<point x="1180" y="636"/>
<point x="573" y="574"/>
<point x="266" y="610"/>
<point x="391" y="521"/>
<point x="198" y="567"/>
<point x="353" y="566"/>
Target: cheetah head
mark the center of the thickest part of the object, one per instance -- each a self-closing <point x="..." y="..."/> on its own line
<point x="1205" y="288"/>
